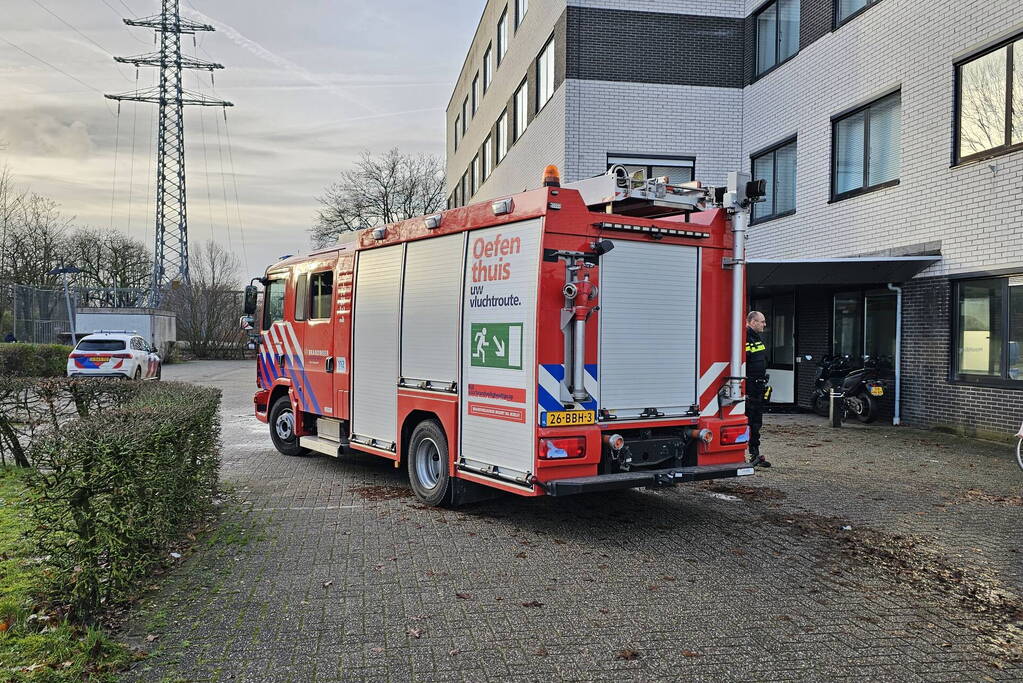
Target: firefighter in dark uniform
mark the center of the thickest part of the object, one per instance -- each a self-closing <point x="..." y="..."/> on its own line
<point x="756" y="383"/>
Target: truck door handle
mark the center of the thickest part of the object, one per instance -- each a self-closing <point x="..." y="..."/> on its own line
<point x="282" y="359"/>
<point x="328" y="365"/>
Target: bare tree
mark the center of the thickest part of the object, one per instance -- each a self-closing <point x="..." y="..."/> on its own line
<point x="209" y="306"/>
<point x="379" y="190"/>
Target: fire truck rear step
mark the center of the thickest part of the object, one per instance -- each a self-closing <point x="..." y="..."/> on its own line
<point x="320" y="445"/>
<point x="649" y="478"/>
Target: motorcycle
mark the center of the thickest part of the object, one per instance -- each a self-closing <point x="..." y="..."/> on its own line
<point x="861" y="388"/>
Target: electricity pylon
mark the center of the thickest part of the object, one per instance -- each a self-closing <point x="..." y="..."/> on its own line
<point x="170" y="255"/>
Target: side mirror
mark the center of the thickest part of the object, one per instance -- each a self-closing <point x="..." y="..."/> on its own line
<point x="250" y="300"/>
<point x="246" y="322"/>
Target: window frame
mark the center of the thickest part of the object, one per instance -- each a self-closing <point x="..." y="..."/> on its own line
<point x="465" y="114"/>
<point x="458" y="120"/>
<point x="475" y="94"/>
<point x="957" y="101"/>
<point x="771" y="4"/>
<point x="838" y="23"/>
<point x="549" y="45"/>
<point x="502" y="137"/>
<point x="272" y="281"/>
<point x="957" y="377"/>
<point x="520" y="14"/>
<point x="651" y="157"/>
<point x="474" y="175"/>
<point x="793" y="140"/>
<point x="488" y="68"/>
<point x="866" y="188"/>
<point x="312" y="294"/>
<point x="524" y="90"/>
<point x="301" y="298"/>
<point x="502" y="36"/>
<point x="463" y="185"/>
<point x="488" y="158"/>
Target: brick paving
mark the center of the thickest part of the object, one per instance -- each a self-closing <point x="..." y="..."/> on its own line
<point x="326" y="570"/>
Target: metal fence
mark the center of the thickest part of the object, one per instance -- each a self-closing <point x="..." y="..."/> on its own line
<point x="37" y="315"/>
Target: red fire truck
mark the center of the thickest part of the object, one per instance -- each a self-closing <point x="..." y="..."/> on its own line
<point x="558" y="341"/>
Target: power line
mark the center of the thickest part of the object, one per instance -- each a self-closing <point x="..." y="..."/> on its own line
<point x="55" y="68"/>
<point x="73" y="28"/>
<point x="237" y="203"/>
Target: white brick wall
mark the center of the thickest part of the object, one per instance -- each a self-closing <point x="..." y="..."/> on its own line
<point x="975" y="210"/>
<point x="721" y="8"/>
<point x="641" y="118"/>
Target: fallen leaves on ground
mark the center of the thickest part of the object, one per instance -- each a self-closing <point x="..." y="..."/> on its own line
<point x="627" y="654"/>
<point x="463" y="596"/>
<point x="415" y="632"/>
<point x="532" y="603"/>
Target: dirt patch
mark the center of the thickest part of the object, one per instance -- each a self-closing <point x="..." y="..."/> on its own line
<point x="382" y="492"/>
<point x="743" y="491"/>
<point x="907" y="560"/>
<point x="979" y="496"/>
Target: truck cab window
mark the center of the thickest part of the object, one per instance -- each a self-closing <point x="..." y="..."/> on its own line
<point x="273" y="310"/>
<point x="302" y="297"/>
<point x="321" y="287"/>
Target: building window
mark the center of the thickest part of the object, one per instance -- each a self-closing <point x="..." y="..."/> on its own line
<point x="989" y="113"/>
<point x="864" y="325"/>
<point x="521" y="109"/>
<point x="502" y="36"/>
<point x="545" y="75"/>
<point x="465" y="114"/>
<point x="847" y="9"/>
<point x="475" y="93"/>
<point x="488" y="68"/>
<point x="463" y="188"/>
<point x="866" y="148"/>
<point x="502" y="136"/>
<point x="488" y="157"/>
<point x="989" y="329"/>
<point x="321" y="291"/>
<point x="458" y="124"/>
<point x="777" y="34"/>
<point x="475" y="175"/>
<point x="521" y="7"/>
<point x="778" y="167"/>
<point x="678" y="169"/>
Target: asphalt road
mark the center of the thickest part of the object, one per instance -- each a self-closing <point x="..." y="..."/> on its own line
<point x="874" y="553"/>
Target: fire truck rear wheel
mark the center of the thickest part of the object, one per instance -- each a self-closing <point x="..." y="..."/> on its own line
<point x="428" y="463"/>
<point x="282" y="428"/>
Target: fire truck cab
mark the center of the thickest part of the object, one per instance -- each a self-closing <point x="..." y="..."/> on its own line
<point x="558" y="341"/>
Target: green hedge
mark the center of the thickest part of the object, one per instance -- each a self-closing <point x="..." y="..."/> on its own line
<point x="31" y="408"/>
<point x="113" y="490"/>
<point x="33" y="360"/>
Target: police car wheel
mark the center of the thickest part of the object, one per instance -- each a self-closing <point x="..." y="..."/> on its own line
<point x="428" y="464"/>
<point x="282" y="428"/>
<point x="138" y="374"/>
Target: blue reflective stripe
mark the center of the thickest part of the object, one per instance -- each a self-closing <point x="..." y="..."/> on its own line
<point x="546" y="401"/>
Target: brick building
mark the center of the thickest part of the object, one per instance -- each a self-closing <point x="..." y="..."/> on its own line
<point x="890" y="133"/>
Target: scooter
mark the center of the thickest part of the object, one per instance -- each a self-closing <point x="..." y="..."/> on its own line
<point x="861" y="388"/>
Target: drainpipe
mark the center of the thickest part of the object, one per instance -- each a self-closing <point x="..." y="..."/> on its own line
<point x="896" y="420"/>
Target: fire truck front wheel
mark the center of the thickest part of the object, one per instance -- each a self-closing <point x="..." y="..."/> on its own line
<point x="282" y="428"/>
<point x="428" y="463"/>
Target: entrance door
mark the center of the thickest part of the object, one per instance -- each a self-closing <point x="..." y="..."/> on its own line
<point x="780" y="338"/>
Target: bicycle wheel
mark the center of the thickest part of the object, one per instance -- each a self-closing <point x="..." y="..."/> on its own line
<point x="1019" y="453"/>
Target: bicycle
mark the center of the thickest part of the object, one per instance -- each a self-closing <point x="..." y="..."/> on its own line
<point x="1019" y="447"/>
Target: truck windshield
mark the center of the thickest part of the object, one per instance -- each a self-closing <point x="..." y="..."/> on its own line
<point x="100" y="345"/>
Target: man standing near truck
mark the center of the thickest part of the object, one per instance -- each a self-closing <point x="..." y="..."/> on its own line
<point x="756" y="383"/>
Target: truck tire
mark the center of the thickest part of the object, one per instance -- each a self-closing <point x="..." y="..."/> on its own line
<point x="428" y="471"/>
<point x="282" y="428"/>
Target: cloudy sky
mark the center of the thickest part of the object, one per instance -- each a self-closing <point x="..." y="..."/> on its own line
<point x="314" y="82"/>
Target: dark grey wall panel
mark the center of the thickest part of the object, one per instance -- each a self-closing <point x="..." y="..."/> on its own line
<point x="649" y="47"/>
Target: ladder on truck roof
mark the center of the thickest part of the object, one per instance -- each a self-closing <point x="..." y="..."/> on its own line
<point x="620" y="192"/>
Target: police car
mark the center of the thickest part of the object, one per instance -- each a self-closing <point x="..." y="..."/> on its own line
<point x="114" y="353"/>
